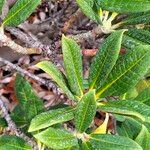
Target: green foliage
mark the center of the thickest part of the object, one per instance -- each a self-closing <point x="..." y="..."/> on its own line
<point x="110" y="142"/>
<point x="56" y="75"/>
<point x="138" y="18"/>
<point x="143" y="138"/>
<point x="13" y="143"/>
<point x="129" y="128"/>
<point x="127" y="72"/>
<point x="1" y="5"/>
<point x="85" y="111"/>
<point x="87" y="6"/>
<point x="131" y="108"/>
<point x="51" y="117"/>
<point x="136" y="37"/>
<point x="20" y="11"/>
<point x="144" y="96"/>
<point x="29" y="105"/>
<point x="125" y="6"/>
<point x="105" y="59"/>
<point x="72" y="56"/>
<point x="57" y="138"/>
<point x="3" y="123"/>
<point x="110" y="76"/>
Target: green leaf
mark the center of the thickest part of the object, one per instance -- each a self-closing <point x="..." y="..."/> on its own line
<point x="143" y="138"/>
<point x="57" y="138"/>
<point x="111" y="142"/>
<point x="51" y="117"/>
<point x="13" y="143"/>
<point x="3" y="123"/>
<point x="129" y="128"/>
<point x="73" y="65"/>
<point x="125" y="6"/>
<point x="105" y="59"/>
<point x="20" y="12"/>
<point x="1" y="5"/>
<point x="131" y="94"/>
<point x="135" y="37"/>
<point x="87" y="8"/>
<point x="29" y="103"/>
<point x="85" y="111"/>
<point x="56" y="75"/>
<point x="144" y="96"/>
<point x="27" y="97"/>
<point x="19" y="116"/>
<point x="126" y="73"/>
<point x="131" y="43"/>
<point x="138" y="18"/>
<point x="140" y="34"/>
<point x="131" y="108"/>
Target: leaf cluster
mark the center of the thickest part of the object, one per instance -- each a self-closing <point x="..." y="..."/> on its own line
<point x="113" y="85"/>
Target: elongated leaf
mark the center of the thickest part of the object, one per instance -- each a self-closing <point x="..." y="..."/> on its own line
<point x="125" y="6"/>
<point x="1" y="5"/>
<point x="56" y="75"/>
<point x="130" y="42"/>
<point x="57" y="138"/>
<point x="129" y="128"/>
<point x="126" y="72"/>
<point x="20" y="12"/>
<point x="29" y="103"/>
<point x="140" y="34"/>
<point x="87" y="8"/>
<point x="111" y="142"/>
<point x="51" y="117"/>
<point x="136" y="37"/>
<point x="143" y="138"/>
<point x="13" y="143"/>
<point x="85" y="111"/>
<point x="73" y="65"/>
<point x="105" y="59"/>
<point x="19" y="116"/>
<point x="130" y="108"/>
<point x="140" y="18"/>
<point x="27" y="97"/>
<point x="144" y="96"/>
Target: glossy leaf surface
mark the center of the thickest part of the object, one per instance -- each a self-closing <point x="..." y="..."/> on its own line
<point x="20" y="12"/>
<point x="73" y="65"/>
<point x="57" y="138"/>
<point x="51" y="117"/>
<point x="85" y="111"/>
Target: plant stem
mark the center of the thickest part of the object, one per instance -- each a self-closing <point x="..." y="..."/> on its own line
<point x="12" y="126"/>
<point x="23" y="72"/>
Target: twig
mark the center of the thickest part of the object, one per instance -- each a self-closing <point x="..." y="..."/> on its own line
<point x="88" y="35"/>
<point x="12" y="126"/>
<point x="23" y="72"/>
<point x="72" y="19"/>
<point x="5" y="41"/>
<point x="31" y="41"/>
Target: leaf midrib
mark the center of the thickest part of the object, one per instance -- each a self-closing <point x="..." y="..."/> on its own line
<point x="106" y="141"/>
<point x="15" y="13"/>
<point x="99" y="72"/>
<point x="109" y="85"/>
<point x="75" y="70"/>
<point x="53" y="116"/>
